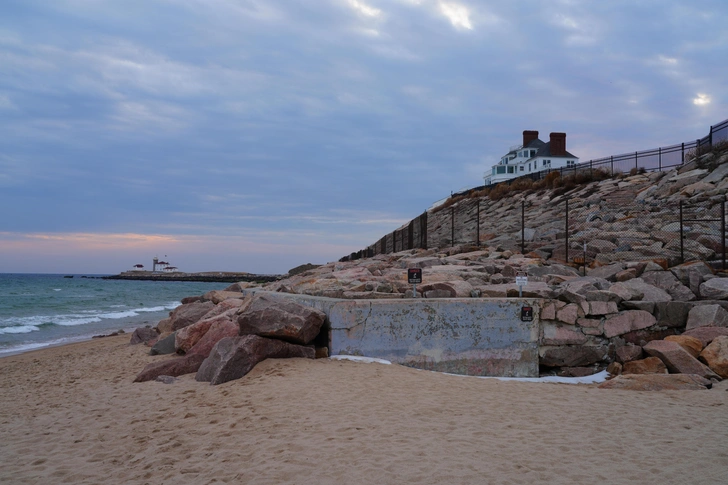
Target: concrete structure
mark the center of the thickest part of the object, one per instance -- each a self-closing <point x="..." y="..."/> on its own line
<point x="469" y="336"/>
<point x="532" y="156"/>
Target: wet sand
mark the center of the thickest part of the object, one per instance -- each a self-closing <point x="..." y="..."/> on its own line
<point x="72" y="414"/>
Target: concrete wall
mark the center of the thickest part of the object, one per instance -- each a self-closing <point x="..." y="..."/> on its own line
<point x="468" y="336"/>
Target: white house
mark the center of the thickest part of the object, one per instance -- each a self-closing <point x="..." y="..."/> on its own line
<point x="532" y="156"/>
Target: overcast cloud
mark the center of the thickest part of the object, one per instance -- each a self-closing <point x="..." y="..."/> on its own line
<point x="256" y="135"/>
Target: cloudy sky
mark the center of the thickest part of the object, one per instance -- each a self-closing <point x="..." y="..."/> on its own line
<point x="256" y="135"/>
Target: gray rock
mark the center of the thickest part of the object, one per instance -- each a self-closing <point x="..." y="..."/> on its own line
<point x="649" y="292"/>
<point x="715" y="289"/>
<point x="164" y="346"/>
<point x="572" y="356"/>
<point x="707" y="316"/>
<point x="672" y="314"/>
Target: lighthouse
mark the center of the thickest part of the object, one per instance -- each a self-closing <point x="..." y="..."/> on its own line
<point x="155" y="262"/>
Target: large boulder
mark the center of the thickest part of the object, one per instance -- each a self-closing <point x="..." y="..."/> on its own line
<point x="627" y="321"/>
<point x="557" y="334"/>
<point x="454" y="289"/>
<point x="707" y="316"/>
<point x="677" y="359"/>
<point x="143" y="335"/>
<point x="572" y="355"/>
<point x="188" y="336"/>
<point x="672" y="314"/>
<point x="628" y="353"/>
<point x="221" y="328"/>
<point x="649" y="292"/>
<point x="693" y="345"/>
<point x="650" y="365"/>
<point x="282" y="319"/>
<point x="657" y="382"/>
<point x="714" y="289"/>
<point x="234" y="357"/>
<point x="707" y="334"/>
<point x="173" y="367"/>
<point x="715" y="356"/>
<point x="692" y="274"/>
<point x="189" y="313"/>
<point x="164" y="345"/>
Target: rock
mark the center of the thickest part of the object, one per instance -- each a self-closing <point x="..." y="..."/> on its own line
<point x="571" y="356"/>
<point x="218" y="296"/>
<point x="627" y="321"/>
<point x="672" y="314"/>
<point x="715" y="355"/>
<point x="281" y="319"/>
<point x="693" y="345"/>
<point x="220" y="329"/>
<point x="650" y="365"/>
<point x="189" y="313"/>
<point x="707" y="316"/>
<point x="677" y="359"/>
<point x="143" y="335"/>
<point x="438" y="294"/>
<point x="568" y="314"/>
<point x="164" y="345"/>
<point x="642" y="337"/>
<point x="551" y="269"/>
<point x="657" y="382"/>
<point x="188" y="336"/>
<point x="714" y="289"/>
<point x="166" y="379"/>
<point x="602" y="308"/>
<point x="660" y="279"/>
<point x="628" y="353"/>
<point x="556" y="334"/>
<point x="626" y="293"/>
<point x="173" y="367"/>
<point x="190" y="299"/>
<point x="424" y="262"/>
<point x="649" y="292"/>
<point x="626" y="274"/>
<point x="164" y="326"/>
<point x="692" y="274"/>
<point x="233" y="357"/>
<point x="608" y="272"/>
<point x="615" y="368"/>
<point x="706" y="334"/>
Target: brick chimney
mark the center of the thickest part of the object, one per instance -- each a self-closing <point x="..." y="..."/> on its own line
<point x="558" y="144"/>
<point x="529" y="136"/>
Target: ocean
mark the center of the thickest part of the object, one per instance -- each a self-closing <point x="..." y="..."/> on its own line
<point x="40" y="310"/>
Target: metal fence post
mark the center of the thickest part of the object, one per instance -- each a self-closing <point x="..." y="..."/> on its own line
<point x="682" y="158"/>
<point x="682" y="247"/>
<point x="659" y="159"/>
<point x="612" y="163"/>
<point x="636" y="163"/>
<point x="710" y="137"/>
<point x="567" y="230"/>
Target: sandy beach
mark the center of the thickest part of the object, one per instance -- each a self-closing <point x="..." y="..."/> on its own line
<point x="71" y="414"/>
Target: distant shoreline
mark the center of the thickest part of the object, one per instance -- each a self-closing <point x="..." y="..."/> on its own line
<point x="211" y="277"/>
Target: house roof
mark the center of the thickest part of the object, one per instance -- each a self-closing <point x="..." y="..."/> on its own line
<point x="545" y="151"/>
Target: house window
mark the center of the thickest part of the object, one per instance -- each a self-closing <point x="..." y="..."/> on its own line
<point x="533" y="153"/>
<point x="510" y="169"/>
<point x="521" y="168"/>
<point x="501" y="169"/>
<point x="529" y="167"/>
<point x="570" y="163"/>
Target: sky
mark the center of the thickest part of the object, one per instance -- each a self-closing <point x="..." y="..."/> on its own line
<point x="257" y="135"/>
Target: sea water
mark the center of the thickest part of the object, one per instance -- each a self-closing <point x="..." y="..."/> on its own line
<point x="39" y="310"/>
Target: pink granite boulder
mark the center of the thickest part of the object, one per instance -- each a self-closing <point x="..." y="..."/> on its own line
<point x="627" y="321"/>
<point x="232" y="358"/>
<point x="677" y="359"/>
<point x="715" y="356"/>
<point x="189" y="313"/>
<point x="282" y="319"/>
<point x="650" y="365"/>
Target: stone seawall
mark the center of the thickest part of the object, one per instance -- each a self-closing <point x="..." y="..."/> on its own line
<point x="484" y="337"/>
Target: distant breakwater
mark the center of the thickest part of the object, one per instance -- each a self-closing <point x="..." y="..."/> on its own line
<point x="211" y="277"/>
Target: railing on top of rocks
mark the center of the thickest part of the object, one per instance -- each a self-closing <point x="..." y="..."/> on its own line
<point x="677" y="218"/>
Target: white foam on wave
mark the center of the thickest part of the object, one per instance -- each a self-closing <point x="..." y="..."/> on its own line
<point x="71" y="320"/>
<point x="19" y="329"/>
<point x="39" y="345"/>
<point x="117" y="315"/>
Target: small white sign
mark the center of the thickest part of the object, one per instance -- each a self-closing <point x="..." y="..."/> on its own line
<point x="521" y="280"/>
